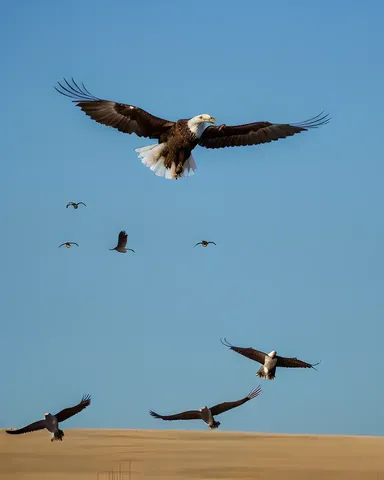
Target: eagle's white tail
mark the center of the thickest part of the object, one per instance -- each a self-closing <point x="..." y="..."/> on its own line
<point x="151" y="157"/>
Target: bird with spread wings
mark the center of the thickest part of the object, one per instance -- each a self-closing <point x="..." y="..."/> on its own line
<point x="51" y="422"/>
<point x="207" y="414"/>
<point x="172" y="156"/>
<point x="269" y="361"/>
<point x="122" y="243"/>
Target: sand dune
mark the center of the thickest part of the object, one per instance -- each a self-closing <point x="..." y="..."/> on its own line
<point x="174" y="455"/>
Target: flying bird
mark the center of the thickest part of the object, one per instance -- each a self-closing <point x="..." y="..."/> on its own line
<point x="68" y="244"/>
<point x="122" y="243"/>
<point x="207" y="414"/>
<point x="75" y="205"/>
<point x="172" y="156"/>
<point x="269" y="361"/>
<point x="204" y="243"/>
<point x="51" y="422"/>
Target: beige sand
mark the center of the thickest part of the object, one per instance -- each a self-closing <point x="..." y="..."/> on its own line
<point x="189" y="455"/>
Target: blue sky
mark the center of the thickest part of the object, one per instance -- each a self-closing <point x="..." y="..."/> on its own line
<point x="298" y="223"/>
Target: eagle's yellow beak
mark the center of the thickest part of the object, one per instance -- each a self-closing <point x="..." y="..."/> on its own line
<point x="213" y="120"/>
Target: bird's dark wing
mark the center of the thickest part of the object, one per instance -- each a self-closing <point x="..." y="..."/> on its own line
<point x="126" y="118"/>
<point x="213" y="243"/>
<point x="189" y="415"/>
<point x="61" y="244"/>
<point x="39" y="425"/>
<point x="223" y="407"/>
<point x="249" y="352"/>
<point x="74" y="243"/>
<point x="199" y="243"/>
<point x="82" y="203"/>
<point x="69" y="412"/>
<point x="293" y="363"/>
<point x="68" y="204"/>
<point x="123" y="239"/>
<point x="256" y="133"/>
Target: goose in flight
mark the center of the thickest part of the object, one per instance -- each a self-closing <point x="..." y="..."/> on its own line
<point x="204" y="243"/>
<point x="269" y="361"/>
<point x="171" y="157"/>
<point x="122" y="243"/>
<point x="75" y="205"/>
<point x="207" y="414"/>
<point x="68" y="244"/>
<point x="51" y="422"/>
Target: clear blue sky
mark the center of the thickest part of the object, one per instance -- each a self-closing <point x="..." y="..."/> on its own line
<point x="298" y="223"/>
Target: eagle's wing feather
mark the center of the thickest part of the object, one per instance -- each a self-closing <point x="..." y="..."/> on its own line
<point x="249" y="352"/>
<point x="189" y="415"/>
<point x="123" y="239"/>
<point x="293" y="363"/>
<point x="126" y="118"/>
<point x="224" y="407"/>
<point x="255" y="133"/>
<point x="33" y="427"/>
<point x="69" y="412"/>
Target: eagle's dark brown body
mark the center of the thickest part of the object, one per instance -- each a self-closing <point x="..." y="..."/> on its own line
<point x="180" y="142"/>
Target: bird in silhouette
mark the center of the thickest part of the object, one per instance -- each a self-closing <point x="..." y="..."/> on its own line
<point x="269" y="361"/>
<point x="122" y="243"/>
<point x="68" y="244"/>
<point x="51" y="422"/>
<point x="75" y="205"/>
<point x="207" y="414"/>
<point x="204" y="243"/>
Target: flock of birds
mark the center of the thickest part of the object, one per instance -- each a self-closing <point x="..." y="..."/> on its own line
<point x="172" y="158"/>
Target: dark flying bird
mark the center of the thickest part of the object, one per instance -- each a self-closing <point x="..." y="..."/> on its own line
<point x="51" y="422"/>
<point x="269" y="361"/>
<point x="68" y="244"/>
<point x="172" y="156"/>
<point x="204" y="243"/>
<point x="207" y="414"/>
<point x="122" y="243"/>
<point x="75" y="205"/>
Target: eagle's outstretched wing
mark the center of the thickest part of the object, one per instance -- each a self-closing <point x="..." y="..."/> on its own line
<point x="293" y="363"/>
<point x="33" y="427"/>
<point x="249" y="352"/>
<point x="123" y="239"/>
<point x="189" y="415"/>
<point x="126" y="118"/>
<point x="256" y="133"/>
<point x="69" y="412"/>
<point x="224" y="407"/>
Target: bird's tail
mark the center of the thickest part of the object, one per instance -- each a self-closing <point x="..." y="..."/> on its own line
<point x="58" y="435"/>
<point x="268" y="376"/>
<point x="151" y="156"/>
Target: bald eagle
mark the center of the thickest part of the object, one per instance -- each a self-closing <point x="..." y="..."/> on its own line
<point x="207" y="414"/>
<point x="171" y="157"/>
<point x="269" y="361"/>
<point x="51" y="422"/>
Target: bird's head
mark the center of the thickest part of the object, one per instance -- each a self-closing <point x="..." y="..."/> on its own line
<point x="46" y="415"/>
<point x="204" y="117"/>
<point x="272" y="354"/>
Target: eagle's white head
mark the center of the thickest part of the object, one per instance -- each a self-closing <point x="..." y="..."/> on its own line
<point x="197" y="124"/>
<point x="272" y="354"/>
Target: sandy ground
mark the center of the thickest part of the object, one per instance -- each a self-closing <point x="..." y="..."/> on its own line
<point x="94" y="454"/>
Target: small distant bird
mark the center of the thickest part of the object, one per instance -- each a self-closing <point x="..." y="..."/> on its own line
<point x="51" y="422"/>
<point x="122" y="243"/>
<point x="207" y="414"/>
<point x="269" y="361"/>
<point x="171" y="157"/>
<point x="75" y="205"/>
<point x="204" y="243"/>
<point x="68" y="244"/>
